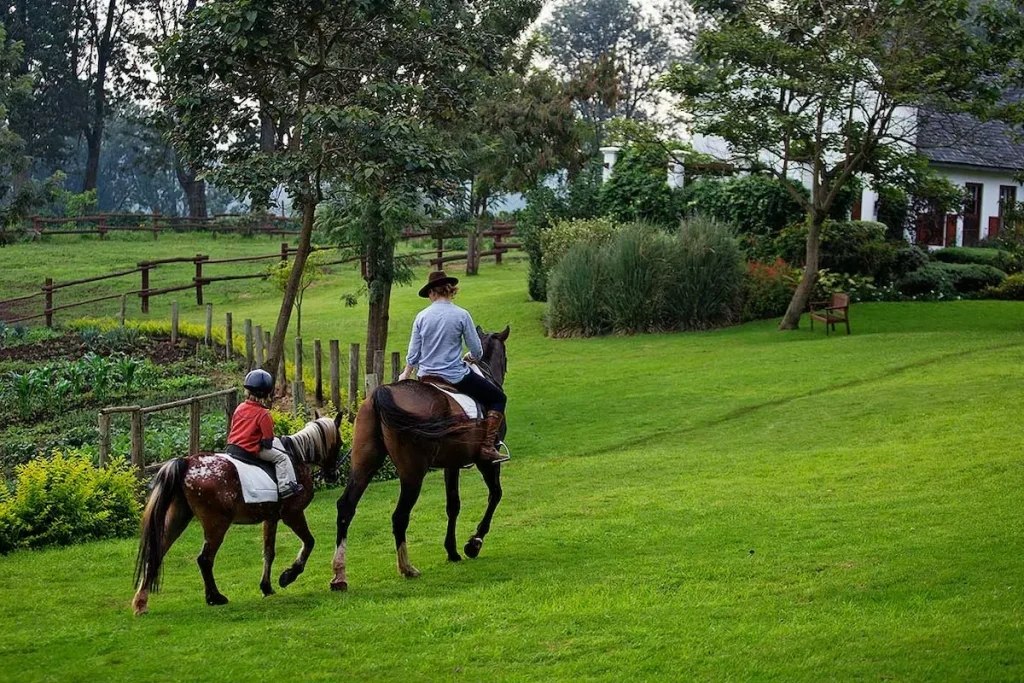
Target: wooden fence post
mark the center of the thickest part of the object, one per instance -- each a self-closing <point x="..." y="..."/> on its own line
<point x="440" y="253"/>
<point x="371" y="384"/>
<point x="248" y="344"/>
<point x="138" y="448"/>
<point x="124" y="309"/>
<point x="378" y="365"/>
<point x="101" y="227"/>
<point x="194" y="413"/>
<point x="209" y="325"/>
<point x="335" y="375"/>
<point x="230" y="403"/>
<point x="396" y="359"/>
<point x="282" y="368"/>
<point x="174" y="322"/>
<point x="260" y="358"/>
<point x="229" y="343"/>
<point x="104" y="438"/>
<point x="284" y="251"/>
<point x="497" y="248"/>
<point x="471" y="251"/>
<point x="156" y="228"/>
<point x="144" y="294"/>
<point x="48" y="288"/>
<point x="199" y="279"/>
<point x="318" y="376"/>
<point x="353" y="376"/>
<point x="298" y="388"/>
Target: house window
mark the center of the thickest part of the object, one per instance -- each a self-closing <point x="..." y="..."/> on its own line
<point x="1007" y="206"/>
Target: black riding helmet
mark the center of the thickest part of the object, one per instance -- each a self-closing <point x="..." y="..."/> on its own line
<point x="260" y="383"/>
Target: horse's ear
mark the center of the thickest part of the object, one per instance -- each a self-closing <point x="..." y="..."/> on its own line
<point x="337" y="419"/>
<point x="316" y="414"/>
<point x="480" y="330"/>
<point x="503" y="335"/>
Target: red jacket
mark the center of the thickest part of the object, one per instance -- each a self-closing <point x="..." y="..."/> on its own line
<point x="250" y="425"/>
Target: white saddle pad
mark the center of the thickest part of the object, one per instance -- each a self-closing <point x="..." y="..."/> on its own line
<point x="469" y="405"/>
<point x="257" y="485"/>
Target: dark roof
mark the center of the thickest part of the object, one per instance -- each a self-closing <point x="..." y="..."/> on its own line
<point x="962" y="140"/>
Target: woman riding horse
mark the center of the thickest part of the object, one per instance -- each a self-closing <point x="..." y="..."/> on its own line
<point x="436" y="347"/>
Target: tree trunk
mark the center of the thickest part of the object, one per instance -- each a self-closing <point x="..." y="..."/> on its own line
<point x="194" y="189"/>
<point x="92" y="162"/>
<point x="802" y="295"/>
<point x="291" y="291"/>
<point x="380" y="268"/>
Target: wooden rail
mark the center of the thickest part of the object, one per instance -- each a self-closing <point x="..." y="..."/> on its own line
<point x="156" y="223"/>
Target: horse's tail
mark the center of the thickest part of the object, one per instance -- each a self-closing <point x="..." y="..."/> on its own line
<point x="390" y="415"/>
<point x="167" y="486"/>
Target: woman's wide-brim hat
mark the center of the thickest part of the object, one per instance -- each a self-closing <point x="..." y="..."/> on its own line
<point x="436" y="278"/>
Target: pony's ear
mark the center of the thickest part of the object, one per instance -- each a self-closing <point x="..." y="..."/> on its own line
<point x="316" y="414"/>
<point x="480" y="331"/>
<point x="337" y="419"/>
<point x="503" y="335"/>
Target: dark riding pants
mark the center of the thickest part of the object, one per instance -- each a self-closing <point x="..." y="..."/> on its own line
<point x="484" y="391"/>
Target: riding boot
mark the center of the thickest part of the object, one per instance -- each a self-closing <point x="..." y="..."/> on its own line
<point x="488" y="453"/>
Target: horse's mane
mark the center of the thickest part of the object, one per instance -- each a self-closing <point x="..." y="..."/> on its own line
<point x="315" y="440"/>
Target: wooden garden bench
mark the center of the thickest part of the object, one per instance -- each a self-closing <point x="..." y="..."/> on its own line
<point x="831" y="312"/>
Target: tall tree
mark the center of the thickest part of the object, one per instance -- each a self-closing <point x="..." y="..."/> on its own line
<point x="107" y="60"/>
<point x="829" y="89"/>
<point x="355" y="95"/>
<point x="586" y="35"/>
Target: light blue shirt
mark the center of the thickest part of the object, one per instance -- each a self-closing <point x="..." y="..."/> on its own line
<point x="436" y="343"/>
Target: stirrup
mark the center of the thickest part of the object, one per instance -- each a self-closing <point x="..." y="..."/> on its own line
<point x="292" y="489"/>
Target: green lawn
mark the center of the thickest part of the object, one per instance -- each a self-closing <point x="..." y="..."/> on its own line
<point x="732" y="505"/>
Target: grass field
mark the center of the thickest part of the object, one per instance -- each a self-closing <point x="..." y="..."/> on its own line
<point x="732" y="505"/>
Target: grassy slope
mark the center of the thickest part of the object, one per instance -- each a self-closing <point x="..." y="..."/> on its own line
<point x="730" y="505"/>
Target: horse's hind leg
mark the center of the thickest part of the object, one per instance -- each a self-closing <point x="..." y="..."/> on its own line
<point x="451" y="490"/>
<point x="269" y="542"/>
<point x="400" y="522"/>
<point x="214" y="536"/>
<point x="492" y="477"/>
<point x="297" y="523"/>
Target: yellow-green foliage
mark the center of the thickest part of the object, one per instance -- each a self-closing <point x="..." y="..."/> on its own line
<point x="66" y="499"/>
<point x="154" y="328"/>
<point x="564" y="234"/>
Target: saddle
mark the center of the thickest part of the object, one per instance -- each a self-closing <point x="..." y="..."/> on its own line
<point x="472" y="408"/>
<point x="268" y="467"/>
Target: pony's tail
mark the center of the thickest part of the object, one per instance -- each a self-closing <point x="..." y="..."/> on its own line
<point x="390" y="415"/>
<point x="167" y="486"/>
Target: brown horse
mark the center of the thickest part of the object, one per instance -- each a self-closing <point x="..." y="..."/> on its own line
<point x="208" y="487"/>
<point x="420" y="427"/>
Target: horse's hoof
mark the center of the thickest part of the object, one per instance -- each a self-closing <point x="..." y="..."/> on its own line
<point x="411" y="573"/>
<point x="140" y="610"/>
<point x="288" y="577"/>
<point x="214" y="600"/>
<point x="339" y="585"/>
<point x="473" y="546"/>
<point x="267" y="590"/>
<point x="454" y="557"/>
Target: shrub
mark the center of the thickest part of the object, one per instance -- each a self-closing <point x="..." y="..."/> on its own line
<point x="637" y="190"/>
<point x="997" y="258"/>
<point x="768" y="288"/>
<point x="563" y="234"/>
<point x="64" y="500"/>
<point x="972" y="277"/>
<point x="908" y="259"/>
<point x="1012" y="288"/>
<point x="931" y="281"/>
<point x="859" y="287"/>
<point x="855" y="247"/>
<point x="646" y="280"/>
<point x="576" y="293"/>
<point x="757" y="205"/>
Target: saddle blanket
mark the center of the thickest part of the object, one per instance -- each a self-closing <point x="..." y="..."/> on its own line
<point x="473" y="410"/>
<point x="258" y="484"/>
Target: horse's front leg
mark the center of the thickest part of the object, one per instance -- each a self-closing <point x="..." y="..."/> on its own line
<point x="451" y="489"/>
<point x="269" y="542"/>
<point x="296" y="521"/>
<point x="492" y="477"/>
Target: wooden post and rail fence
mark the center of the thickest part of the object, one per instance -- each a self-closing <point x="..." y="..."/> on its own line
<point x="202" y="277"/>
